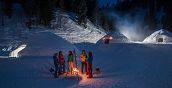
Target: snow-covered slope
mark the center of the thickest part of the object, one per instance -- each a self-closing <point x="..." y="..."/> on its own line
<point x="45" y="43"/>
<point x="68" y="29"/>
<point x="163" y="34"/>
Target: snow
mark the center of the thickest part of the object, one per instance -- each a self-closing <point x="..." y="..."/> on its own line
<point x="74" y="33"/>
<point x="15" y="53"/>
<point x="30" y="72"/>
<point x="123" y="65"/>
<point x="128" y="65"/>
<point x="45" y="43"/>
<point x="165" y="35"/>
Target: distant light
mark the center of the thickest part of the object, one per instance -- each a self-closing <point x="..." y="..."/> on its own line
<point x="110" y="38"/>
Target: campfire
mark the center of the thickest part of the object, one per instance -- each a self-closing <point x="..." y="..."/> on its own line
<point x="75" y="71"/>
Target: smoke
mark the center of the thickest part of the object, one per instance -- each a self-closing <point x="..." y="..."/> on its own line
<point x="130" y="24"/>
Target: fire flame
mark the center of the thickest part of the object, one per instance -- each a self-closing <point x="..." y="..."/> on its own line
<point x="75" y="71"/>
<point x="110" y="37"/>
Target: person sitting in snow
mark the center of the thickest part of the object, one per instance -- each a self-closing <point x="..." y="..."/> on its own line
<point x="55" y="58"/>
<point x="70" y="62"/>
<point x="83" y="57"/>
<point x="89" y="64"/>
<point x="61" y="62"/>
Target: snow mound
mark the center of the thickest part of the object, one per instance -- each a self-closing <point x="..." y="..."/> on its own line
<point x="115" y="37"/>
<point x="45" y="44"/>
<point x="68" y="29"/>
<point x="15" y="52"/>
<point x="160" y="36"/>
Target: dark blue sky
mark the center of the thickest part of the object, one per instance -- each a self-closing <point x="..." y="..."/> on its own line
<point x="104" y="2"/>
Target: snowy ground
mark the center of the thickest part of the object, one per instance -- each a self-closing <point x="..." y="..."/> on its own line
<point x="30" y="72"/>
<point x="122" y="66"/>
<point x="132" y="66"/>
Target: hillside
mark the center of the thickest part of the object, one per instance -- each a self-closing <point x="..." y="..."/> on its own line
<point x="69" y="29"/>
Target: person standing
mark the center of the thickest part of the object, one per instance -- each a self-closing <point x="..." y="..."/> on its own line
<point x="70" y="62"/>
<point x="56" y="64"/>
<point x="89" y="64"/>
<point x="83" y="57"/>
<point x="61" y="62"/>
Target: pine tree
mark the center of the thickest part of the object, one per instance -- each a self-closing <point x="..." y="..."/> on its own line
<point x="61" y="4"/>
<point x="92" y="9"/>
<point x="2" y="15"/>
<point x="46" y="12"/>
<point x="8" y="8"/>
<point x="74" y="5"/>
<point x="96" y="17"/>
<point x="82" y="13"/>
<point x="2" y="20"/>
<point x="68" y="5"/>
<point x="168" y="14"/>
<point x="150" y="15"/>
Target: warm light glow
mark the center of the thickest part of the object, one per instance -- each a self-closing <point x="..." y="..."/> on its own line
<point x="75" y="71"/>
<point x="110" y="38"/>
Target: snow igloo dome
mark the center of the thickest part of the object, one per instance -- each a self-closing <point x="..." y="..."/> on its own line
<point x="160" y="36"/>
<point x="114" y="37"/>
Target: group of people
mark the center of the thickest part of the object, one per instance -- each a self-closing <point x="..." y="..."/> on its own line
<point x="86" y="62"/>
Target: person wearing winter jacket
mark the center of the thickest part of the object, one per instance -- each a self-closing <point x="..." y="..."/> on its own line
<point x="61" y="62"/>
<point x="56" y="63"/>
<point x="83" y="57"/>
<point x="89" y="64"/>
<point x="70" y="62"/>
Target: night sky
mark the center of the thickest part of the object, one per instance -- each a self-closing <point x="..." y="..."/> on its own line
<point x="104" y="2"/>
